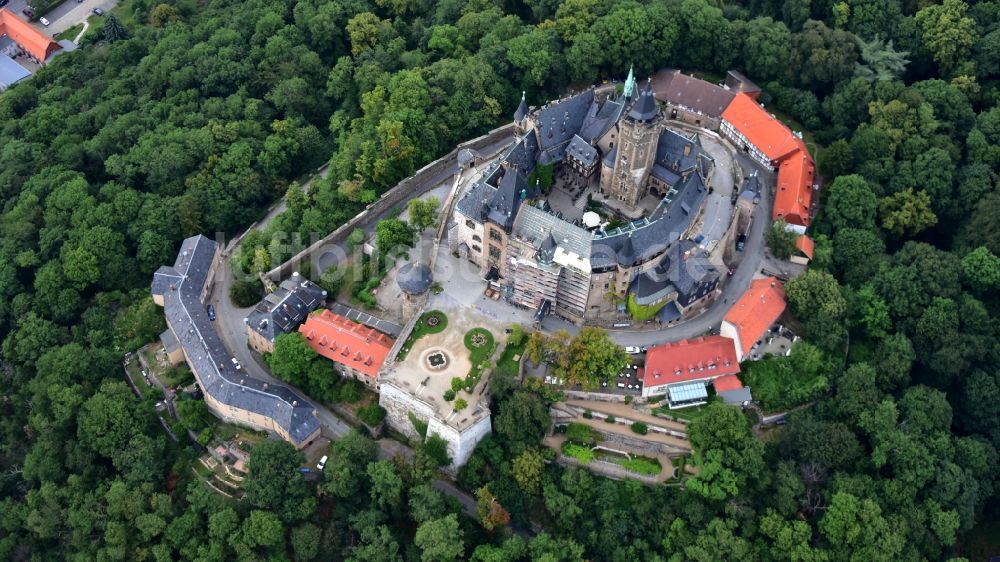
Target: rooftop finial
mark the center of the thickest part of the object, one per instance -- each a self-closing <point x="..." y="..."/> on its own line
<point x="629" y="89"/>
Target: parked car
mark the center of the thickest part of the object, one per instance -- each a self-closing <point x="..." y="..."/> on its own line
<point x="43" y="21"/>
<point x="302" y="469"/>
<point x="741" y="242"/>
<point x="98" y="12"/>
<point x="322" y="463"/>
<point x="634" y="350"/>
<point x="211" y="313"/>
<point x="28" y="12"/>
<point x="237" y="364"/>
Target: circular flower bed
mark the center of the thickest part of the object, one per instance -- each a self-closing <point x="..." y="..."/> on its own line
<point x="478" y="340"/>
<point x="433" y="320"/>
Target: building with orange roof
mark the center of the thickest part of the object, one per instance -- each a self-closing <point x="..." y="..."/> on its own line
<point x="357" y="350"/>
<point x="793" y="198"/>
<point x="754" y="314"/>
<point x="35" y="43"/>
<point x="804" y="250"/>
<point x="731" y="390"/>
<point x="757" y="132"/>
<point x="681" y="369"/>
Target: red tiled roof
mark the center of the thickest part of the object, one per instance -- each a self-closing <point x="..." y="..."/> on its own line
<point x="30" y="39"/>
<point x="805" y="245"/>
<point x="690" y="360"/>
<point x="765" y="132"/>
<point x="728" y="382"/>
<point x="795" y="180"/>
<point x="756" y="310"/>
<point x="346" y="342"/>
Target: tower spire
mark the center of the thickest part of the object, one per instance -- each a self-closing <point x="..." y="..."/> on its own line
<point x="522" y="109"/>
<point x="629" y="89"/>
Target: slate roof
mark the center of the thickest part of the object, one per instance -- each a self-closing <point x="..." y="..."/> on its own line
<point x="672" y="86"/>
<point x="414" y="278"/>
<point x="600" y="120"/>
<point x="670" y="152"/>
<point x="283" y="310"/>
<point x="581" y="151"/>
<point x="683" y="269"/>
<point x="11" y="72"/>
<point x="556" y="123"/>
<point x="645" y="107"/>
<point x="545" y="231"/>
<point x="522" y="109"/>
<point x="502" y="206"/>
<point x="751" y="187"/>
<point x="651" y="236"/>
<point x="181" y="287"/>
<point x="609" y="158"/>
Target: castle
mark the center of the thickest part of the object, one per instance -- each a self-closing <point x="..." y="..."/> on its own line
<point x="504" y="224"/>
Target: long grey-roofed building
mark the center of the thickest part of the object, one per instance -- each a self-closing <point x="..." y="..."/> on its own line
<point x="181" y="289"/>
<point x="282" y="311"/>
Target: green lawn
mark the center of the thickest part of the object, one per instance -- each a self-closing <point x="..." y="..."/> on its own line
<point x="430" y="322"/>
<point x="480" y="343"/>
<point x="506" y="364"/>
<point x="71" y="33"/>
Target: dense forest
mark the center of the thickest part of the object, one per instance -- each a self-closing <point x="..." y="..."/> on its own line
<point x="193" y="117"/>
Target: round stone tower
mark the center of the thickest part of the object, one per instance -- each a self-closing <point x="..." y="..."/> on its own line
<point x="414" y="280"/>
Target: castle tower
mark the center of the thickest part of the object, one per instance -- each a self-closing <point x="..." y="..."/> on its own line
<point x="636" y="150"/>
<point x="414" y="280"/>
<point x="521" y="124"/>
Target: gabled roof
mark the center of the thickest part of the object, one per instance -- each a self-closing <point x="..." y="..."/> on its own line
<point x="756" y="310"/>
<point x="182" y="286"/>
<point x="805" y="245"/>
<point x="11" y="72"/>
<point x="581" y="151"/>
<point x="283" y="310"/>
<point x="522" y="109"/>
<point x="36" y="43"/>
<point x="794" y="193"/>
<point x="346" y="342"/>
<point x="556" y="123"/>
<point x="672" y="86"/>
<point x="690" y="360"/>
<point x="763" y="130"/>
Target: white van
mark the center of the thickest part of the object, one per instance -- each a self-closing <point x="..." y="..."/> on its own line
<point x="321" y="463"/>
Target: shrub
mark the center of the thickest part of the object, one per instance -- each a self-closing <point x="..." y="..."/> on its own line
<point x="628" y="399"/>
<point x="420" y="426"/>
<point x="640" y="428"/>
<point x="588" y="414"/>
<point x="578" y="452"/>
<point x="457" y="383"/>
<point x="246" y="293"/>
<point x="610" y="419"/>
<point x="582" y="433"/>
<point x="437" y="449"/>
<point x="654" y="399"/>
<point x="449" y="395"/>
<point x="642" y="465"/>
<point x="205" y="436"/>
<point x="350" y="392"/>
<point x="461" y="404"/>
<point x="372" y="414"/>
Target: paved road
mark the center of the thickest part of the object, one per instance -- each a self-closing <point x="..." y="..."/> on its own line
<point x="63" y="16"/>
<point x="711" y="318"/>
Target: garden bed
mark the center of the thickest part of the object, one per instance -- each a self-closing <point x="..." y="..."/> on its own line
<point x="430" y="322"/>
<point x="480" y="343"/>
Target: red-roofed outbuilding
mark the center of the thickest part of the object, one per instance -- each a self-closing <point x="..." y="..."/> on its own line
<point x="753" y="314"/>
<point x="793" y="199"/>
<point x="358" y="351"/>
<point x="685" y="361"/>
<point x="34" y="42"/>
<point x="728" y="382"/>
